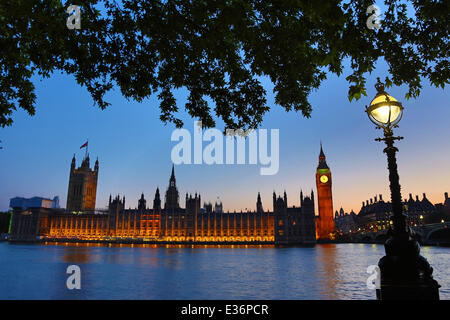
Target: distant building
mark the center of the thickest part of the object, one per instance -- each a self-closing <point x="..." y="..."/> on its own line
<point x="414" y="209"/>
<point x="442" y="211"/>
<point x="375" y="213"/>
<point x="30" y="217"/>
<point x="345" y="222"/>
<point x="35" y="202"/>
<point x="445" y="206"/>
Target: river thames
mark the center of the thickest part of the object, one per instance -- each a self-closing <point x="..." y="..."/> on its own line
<point x="332" y="271"/>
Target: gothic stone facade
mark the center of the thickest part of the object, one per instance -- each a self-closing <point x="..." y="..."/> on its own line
<point x="170" y="223"/>
<point x="82" y="190"/>
<point x="325" y="226"/>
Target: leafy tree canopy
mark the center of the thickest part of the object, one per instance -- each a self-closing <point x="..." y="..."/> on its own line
<point x="217" y="50"/>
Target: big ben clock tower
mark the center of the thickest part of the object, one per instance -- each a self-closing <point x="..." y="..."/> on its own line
<point x="325" y="221"/>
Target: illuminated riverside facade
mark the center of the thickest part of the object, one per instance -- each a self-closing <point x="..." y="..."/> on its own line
<point x="168" y="223"/>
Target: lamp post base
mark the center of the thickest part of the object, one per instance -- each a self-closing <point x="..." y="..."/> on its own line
<point x="414" y="291"/>
<point x="405" y="274"/>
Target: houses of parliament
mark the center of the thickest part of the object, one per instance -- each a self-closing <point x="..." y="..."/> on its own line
<point x="168" y="221"/>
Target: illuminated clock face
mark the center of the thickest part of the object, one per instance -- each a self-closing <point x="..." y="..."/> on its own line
<point x="323" y="179"/>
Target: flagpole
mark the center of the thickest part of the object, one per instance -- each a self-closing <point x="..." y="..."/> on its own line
<point x="87" y="146"/>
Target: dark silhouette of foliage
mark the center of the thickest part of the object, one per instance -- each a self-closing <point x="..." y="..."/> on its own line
<point x="217" y="50"/>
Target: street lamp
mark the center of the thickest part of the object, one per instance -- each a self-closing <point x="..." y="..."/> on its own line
<point x="405" y="274"/>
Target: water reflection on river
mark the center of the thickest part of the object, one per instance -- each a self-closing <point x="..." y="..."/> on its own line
<point x="333" y="271"/>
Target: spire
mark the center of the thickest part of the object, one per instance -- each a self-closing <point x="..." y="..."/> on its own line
<point x="259" y="207"/>
<point x="171" y="200"/>
<point x="274" y="199"/>
<point x="72" y="165"/>
<point x="322" y="159"/>
<point x="321" y="150"/>
<point x="157" y="200"/>
<point x="172" y="181"/>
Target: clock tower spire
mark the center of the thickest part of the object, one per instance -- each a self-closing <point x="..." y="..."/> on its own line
<point x="324" y="222"/>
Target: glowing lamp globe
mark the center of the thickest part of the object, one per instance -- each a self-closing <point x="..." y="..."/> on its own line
<point x="384" y="110"/>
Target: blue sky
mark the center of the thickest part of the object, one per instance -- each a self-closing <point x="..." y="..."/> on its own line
<point x="134" y="147"/>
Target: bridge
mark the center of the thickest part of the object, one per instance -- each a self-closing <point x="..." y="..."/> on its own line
<point x="429" y="234"/>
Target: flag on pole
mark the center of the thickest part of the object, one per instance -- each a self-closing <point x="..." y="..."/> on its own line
<point x="84" y="145"/>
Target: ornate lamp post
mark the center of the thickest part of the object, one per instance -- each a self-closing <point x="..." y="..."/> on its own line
<point x="405" y="274"/>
